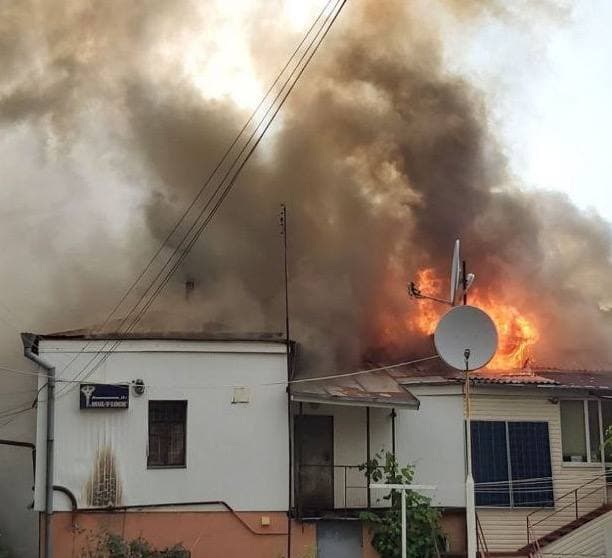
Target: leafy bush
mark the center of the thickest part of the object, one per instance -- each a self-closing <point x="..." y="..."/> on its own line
<point x="109" y="545"/>
<point x="423" y="534"/>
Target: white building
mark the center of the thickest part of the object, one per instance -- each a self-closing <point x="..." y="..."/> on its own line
<point x="186" y="439"/>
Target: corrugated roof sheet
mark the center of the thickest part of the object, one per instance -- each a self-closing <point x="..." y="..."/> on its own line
<point x="515" y="378"/>
<point x="436" y="372"/>
<point x="374" y="389"/>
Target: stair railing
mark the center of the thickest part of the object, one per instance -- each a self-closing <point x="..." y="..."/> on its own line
<point x="481" y="541"/>
<point x="573" y="499"/>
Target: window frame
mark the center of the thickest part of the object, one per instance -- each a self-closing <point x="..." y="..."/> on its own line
<point x="182" y="465"/>
<point x="510" y="483"/>
<point x="587" y="433"/>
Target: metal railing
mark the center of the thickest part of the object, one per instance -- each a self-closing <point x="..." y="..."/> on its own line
<point x="349" y="485"/>
<point x="571" y="505"/>
<point x="482" y="549"/>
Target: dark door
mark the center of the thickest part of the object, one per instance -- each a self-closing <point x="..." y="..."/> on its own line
<point x="314" y="447"/>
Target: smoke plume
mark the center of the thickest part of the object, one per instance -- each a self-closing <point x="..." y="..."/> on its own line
<point x="383" y="156"/>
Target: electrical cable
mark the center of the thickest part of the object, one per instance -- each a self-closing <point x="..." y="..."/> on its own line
<point x="224" y="157"/>
<point x="224" y="192"/>
<point x="212" y="197"/>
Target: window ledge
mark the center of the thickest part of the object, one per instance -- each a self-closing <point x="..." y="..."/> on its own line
<point x="166" y="467"/>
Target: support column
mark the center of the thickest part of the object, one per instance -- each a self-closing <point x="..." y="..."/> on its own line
<point x="368" y="453"/>
<point x="393" y="415"/>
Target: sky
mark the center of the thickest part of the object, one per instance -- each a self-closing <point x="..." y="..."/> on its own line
<point x="547" y="84"/>
<point x="568" y="133"/>
<point x="549" y="88"/>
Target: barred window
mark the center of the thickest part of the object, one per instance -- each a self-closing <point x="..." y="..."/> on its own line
<point x="167" y="434"/>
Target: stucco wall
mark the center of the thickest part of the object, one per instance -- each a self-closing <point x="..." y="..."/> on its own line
<point x="237" y="453"/>
<point x="432" y="439"/>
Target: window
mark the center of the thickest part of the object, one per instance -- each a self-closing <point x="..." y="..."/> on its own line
<point x="511" y="464"/>
<point x="582" y="425"/>
<point x="167" y="433"/>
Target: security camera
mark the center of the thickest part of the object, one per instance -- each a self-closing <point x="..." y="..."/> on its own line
<point x="139" y="386"/>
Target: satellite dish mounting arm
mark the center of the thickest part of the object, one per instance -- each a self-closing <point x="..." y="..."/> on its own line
<point x="415" y="292"/>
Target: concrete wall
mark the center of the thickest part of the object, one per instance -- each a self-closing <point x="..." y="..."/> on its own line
<point x="432" y="439"/>
<point x="205" y="534"/>
<point x="18" y="523"/>
<point x="237" y="453"/>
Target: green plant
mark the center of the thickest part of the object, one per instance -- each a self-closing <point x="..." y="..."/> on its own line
<point x="110" y="545"/>
<point x="423" y="534"/>
<point x="608" y="438"/>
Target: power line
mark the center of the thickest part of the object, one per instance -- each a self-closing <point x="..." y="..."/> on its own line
<point x="208" y="181"/>
<point x="17" y="411"/>
<point x="212" y="174"/>
<point x="308" y="55"/>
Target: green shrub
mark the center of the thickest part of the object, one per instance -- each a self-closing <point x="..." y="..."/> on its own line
<point x="423" y="534"/>
<point x="110" y="545"/>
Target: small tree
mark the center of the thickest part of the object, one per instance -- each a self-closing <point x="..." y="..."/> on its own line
<point x="423" y="534"/>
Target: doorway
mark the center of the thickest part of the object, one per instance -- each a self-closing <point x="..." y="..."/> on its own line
<point x="314" y="453"/>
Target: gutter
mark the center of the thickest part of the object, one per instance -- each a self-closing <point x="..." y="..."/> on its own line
<point x="30" y="351"/>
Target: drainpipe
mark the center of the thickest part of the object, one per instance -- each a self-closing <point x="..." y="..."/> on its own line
<point x="30" y="345"/>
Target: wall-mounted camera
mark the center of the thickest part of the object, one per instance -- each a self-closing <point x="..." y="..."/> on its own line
<point x="139" y="386"/>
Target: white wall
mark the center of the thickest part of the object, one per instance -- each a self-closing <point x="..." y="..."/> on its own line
<point x="235" y="452"/>
<point x="432" y="439"/>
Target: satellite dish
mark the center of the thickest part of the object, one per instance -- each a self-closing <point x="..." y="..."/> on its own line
<point x="455" y="273"/>
<point x="466" y="328"/>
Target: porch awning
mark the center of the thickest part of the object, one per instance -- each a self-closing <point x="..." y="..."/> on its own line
<point x="373" y="389"/>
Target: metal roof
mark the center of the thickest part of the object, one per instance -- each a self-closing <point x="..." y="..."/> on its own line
<point x="372" y="389"/>
<point x="436" y="372"/>
<point x="93" y="334"/>
<point x="513" y="378"/>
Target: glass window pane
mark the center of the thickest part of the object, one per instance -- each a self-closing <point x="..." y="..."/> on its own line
<point x="167" y="433"/>
<point x="594" y="439"/>
<point x="530" y="464"/>
<point x="606" y="415"/>
<point x="490" y="463"/>
<point x="573" y="431"/>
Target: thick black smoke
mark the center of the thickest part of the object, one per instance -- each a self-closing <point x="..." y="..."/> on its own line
<point x="382" y="155"/>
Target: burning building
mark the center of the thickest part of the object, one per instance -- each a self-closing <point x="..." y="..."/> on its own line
<point x="383" y="155"/>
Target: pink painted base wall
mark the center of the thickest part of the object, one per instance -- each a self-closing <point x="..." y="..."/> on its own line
<point x="205" y="534"/>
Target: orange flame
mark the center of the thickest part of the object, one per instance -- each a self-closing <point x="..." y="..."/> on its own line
<point x="517" y="332"/>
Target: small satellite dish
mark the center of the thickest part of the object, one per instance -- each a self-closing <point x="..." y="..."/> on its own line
<point x="455" y="273"/>
<point x="466" y="328"/>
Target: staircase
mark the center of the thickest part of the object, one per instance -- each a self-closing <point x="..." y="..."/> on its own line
<point x="570" y="501"/>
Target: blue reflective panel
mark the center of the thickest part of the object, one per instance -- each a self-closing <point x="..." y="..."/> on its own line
<point x="530" y="464"/>
<point x="490" y="463"/>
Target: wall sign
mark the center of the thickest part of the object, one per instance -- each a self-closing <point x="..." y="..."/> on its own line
<point x="104" y="396"/>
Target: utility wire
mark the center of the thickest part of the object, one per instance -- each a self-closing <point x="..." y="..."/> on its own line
<point x="135" y="307"/>
<point x="322" y="32"/>
<point x="212" y="174"/>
